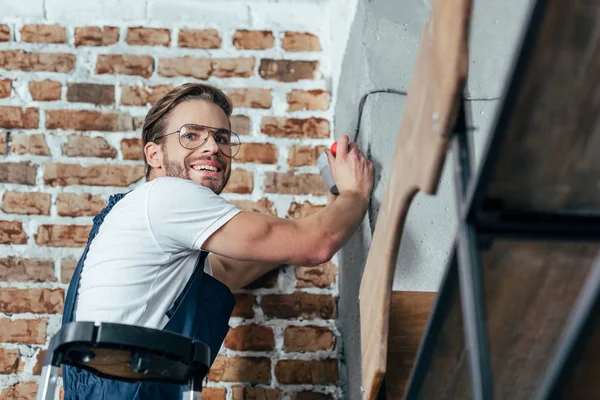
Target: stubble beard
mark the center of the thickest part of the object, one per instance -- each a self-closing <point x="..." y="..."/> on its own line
<point x="178" y="170"/>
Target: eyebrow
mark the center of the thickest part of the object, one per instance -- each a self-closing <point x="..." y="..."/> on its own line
<point x="212" y="127"/>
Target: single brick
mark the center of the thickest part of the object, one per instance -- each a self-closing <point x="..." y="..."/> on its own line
<point x="315" y="372"/>
<point x="62" y="235"/>
<point x="299" y="305"/>
<point x="304" y="155"/>
<point x="85" y="146"/>
<point x="4" y="33"/>
<point x="87" y="120"/>
<point x="18" y="172"/>
<point x="67" y="269"/>
<point x="37" y="33"/>
<point x="23" y="331"/>
<point x="91" y="93"/>
<point x="14" y="117"/>
<point x="11" y="232"/>
<point x="204" y="68"/>
<point x="199" y="39"/>
<point x="13" y="269"/>
<point x="9" y="360"/>
<point x="142" y="95"/>
<point x="260" y="153"/>
<point x="148" y="36"/>
<point x="250" y="97"/>
<point x="241" y="369"/>
<point x="35" y="144"/>
<point x="46" y="90"/>
<point x="240" y="124"/>
<point x="313" y="100"/>
<point x="128" y="64"/>
<point x="27" y="203"/>
<point x="132" y="149"/>
<point x="244" y="304"/>
<point x="58" y="174"/>
<point x="5" y="88"/>
<point x="295" y="128"/>
<point x="96" y="36"/>
<point x="319" y="276"/>
<point x="253" y="40"/>
<point x="300" y="41"/>
<point x="288" y="70"/>
<point x="250" y="338"/>
<point x="31" y="300"/>
<point x="241" y="182"/>
<point x="79" y="205"/>
<point x="290" y="183"/>
<point x="27" y="61"/>
<point x="308" y="338"/>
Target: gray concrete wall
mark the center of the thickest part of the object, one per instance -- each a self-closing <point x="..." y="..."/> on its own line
<point x="380" y="53"/>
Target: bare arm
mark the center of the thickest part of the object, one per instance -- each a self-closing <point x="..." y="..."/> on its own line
<point x="312" y="240"/>
<point x="309" y="241"/>
<point x="237" y="274"/>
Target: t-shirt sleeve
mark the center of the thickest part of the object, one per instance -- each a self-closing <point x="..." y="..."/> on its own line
<point x="182" y="214"/>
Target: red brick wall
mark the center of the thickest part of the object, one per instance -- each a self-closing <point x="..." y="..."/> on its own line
<point x="72" y="101"/>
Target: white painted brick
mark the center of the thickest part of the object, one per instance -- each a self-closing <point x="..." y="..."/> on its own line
<point x="290" y="16"/>
<point x="230" y="14"/>
<point x="21" y="9"/>
<point x="94" y="11"/>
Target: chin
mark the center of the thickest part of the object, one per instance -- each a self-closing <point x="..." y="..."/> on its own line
<point x="214" y="185"/>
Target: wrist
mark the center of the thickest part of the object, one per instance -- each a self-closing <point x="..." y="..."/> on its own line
<point x="358" y="197"/>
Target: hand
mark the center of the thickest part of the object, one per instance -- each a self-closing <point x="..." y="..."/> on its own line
<point x="350" y="170"/>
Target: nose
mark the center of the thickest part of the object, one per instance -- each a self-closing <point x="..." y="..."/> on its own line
<point x="211" y="145"/>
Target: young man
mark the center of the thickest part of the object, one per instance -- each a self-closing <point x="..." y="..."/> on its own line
<point x="167" y="254"/>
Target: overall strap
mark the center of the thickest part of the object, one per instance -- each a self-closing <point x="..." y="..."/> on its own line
<point x="69" y="306"/>
<point x="197" y="274"/>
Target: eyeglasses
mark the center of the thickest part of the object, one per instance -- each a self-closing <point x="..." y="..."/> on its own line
<point x="192" y="136"/>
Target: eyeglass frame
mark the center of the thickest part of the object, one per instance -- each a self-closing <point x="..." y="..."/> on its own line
<point x="210" y="130"/>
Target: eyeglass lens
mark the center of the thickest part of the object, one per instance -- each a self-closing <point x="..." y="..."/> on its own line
<point x="193" y="136"/>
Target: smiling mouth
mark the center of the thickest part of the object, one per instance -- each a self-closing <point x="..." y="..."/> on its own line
<point x="209" y="168"/>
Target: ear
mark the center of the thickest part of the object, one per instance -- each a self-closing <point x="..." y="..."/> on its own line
<point x="154" y="155"/>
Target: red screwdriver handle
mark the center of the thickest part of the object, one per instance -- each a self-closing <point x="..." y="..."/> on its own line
<point x="334" y="148"/>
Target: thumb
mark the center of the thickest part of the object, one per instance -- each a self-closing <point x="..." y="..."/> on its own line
<point x="330" y="157"/>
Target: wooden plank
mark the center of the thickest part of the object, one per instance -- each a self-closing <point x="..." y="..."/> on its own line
<point x="549" y="159"/>
<point x="448" y="370"/>
<point x="409" y="313"/>
<point x="428" y="117"/>
<point x="584" y="383"/>
<point x="530" y="291"/>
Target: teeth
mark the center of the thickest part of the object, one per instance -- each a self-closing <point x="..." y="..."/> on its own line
<point x="205" y="168"/>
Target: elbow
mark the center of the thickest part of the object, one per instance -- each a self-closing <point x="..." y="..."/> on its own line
<point x="323" y="252"/>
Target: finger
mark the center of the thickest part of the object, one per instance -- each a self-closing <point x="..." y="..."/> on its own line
<point x="330" y="157"/>
<point x="342" y="148"/>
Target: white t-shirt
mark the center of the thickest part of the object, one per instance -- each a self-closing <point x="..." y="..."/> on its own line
<point x="146" y="250"/>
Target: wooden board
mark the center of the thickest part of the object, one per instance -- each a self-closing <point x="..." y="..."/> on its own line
<point x="530" y="290"/>
<point x="584" y="383"/>
<point x="409" y="313"/>
<point x="447" y="374"/>
<point x="428" y="117"/>
<point x="549" y="159"/>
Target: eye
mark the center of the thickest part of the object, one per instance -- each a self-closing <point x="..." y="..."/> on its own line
<point x="222" y="137"/>
<point x="191" y="136"/>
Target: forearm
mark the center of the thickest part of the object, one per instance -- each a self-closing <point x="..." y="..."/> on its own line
<point x="334" y="224"/>
<point x="237" y="274"/>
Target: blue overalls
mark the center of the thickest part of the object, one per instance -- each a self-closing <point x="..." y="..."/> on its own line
<point x="201" y="312"/>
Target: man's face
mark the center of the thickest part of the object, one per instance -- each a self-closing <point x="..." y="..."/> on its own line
<point x="187" y="164"/>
